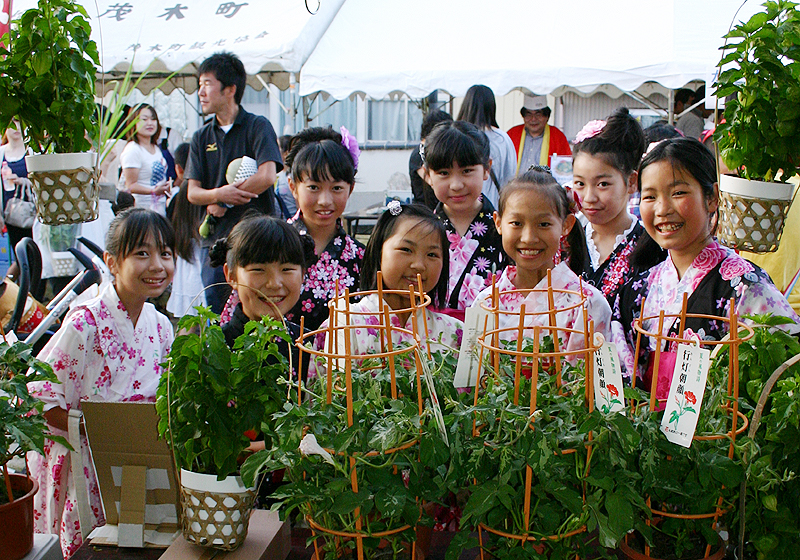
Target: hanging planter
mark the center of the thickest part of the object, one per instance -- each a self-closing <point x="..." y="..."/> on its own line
<point x="66" y="187"/>
<point x="752" y="213"/>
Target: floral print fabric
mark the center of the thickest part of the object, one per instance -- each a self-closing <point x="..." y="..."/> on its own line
<point x="563" y="278"/>
<point x="341" y="260"/>
<point x="473" y="257"/>
<point x="613" y="273"/>
<point x="97" y="354"/>
<point x="716" y="275"/>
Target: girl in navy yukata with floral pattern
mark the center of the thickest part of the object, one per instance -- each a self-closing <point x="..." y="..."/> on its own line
<point x="677" y="180"/>
<point x="322" y="166"/>
<point x="457" y="162"/>
<point x="607" y="155"/>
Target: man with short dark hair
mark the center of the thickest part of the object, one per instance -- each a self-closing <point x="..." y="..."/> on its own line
<point x="231" y="134"/>
<point x="535" y="140"/>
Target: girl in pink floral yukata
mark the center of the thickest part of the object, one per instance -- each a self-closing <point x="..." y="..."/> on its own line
<point x="108" y="349"/>
<point x="534" y="218"/>
<point x="321" y="166"/>
<point x="457" y="162"/>
<point x="680" y="197"/>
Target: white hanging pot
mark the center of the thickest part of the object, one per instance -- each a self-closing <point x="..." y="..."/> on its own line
<point x="752" y="213"/>
<point x="66" y="187"/>
<point x="215" y="513"/>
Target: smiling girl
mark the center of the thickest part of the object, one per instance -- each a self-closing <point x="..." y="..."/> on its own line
<point x="143" y="165"/>
<point x="456" y="156"/>
<point x="677" y="180"/>
<point x="533" y="218"/>
<point x="604" y="167"/>
<point x="109" y="349"/>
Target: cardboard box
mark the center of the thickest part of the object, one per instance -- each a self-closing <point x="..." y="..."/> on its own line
<point x="268" y="538"/>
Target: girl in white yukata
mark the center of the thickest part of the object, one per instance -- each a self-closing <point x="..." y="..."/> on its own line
<point x="534" y="220"/>
<point x="108" y="349"/>
<point x="407" y="240"/>
<point x="680" y="198"/>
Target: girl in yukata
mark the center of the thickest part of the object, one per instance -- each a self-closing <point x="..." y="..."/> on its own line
<point x="457" y="162"/>
<point x="321" y="172"/>
<point x="264" y="260"/>
<point x="407" y="241"/>
<point x="534" y="218"/>
<point x="677" y="180"/>
<point x="606" y="157"/>
<point x="108" y="349"/>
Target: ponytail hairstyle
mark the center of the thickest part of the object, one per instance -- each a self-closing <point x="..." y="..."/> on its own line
<point x="455" y="141"/>
<point x="320" y="154"/>
<point x="384" y="229"/>
<point x="130" y="228"/>
<point x="692" y="157"/>
<point x="539" y="180"/>
<point x="620" y="142"/>
<point x="479" y="107"/>
<point x="262" y="239"/>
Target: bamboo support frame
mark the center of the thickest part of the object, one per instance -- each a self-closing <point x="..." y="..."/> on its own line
<point x="733" y="341"/>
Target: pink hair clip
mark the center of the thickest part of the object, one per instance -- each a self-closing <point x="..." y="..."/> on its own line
<point x="590" y="130"/>
<point x="351" y="144"/>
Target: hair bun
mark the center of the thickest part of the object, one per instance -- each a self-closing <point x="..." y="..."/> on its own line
<point x="218" y="253"/>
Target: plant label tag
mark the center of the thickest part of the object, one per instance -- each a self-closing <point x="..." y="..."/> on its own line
<point x="468" y="367"/>
<point x="686" y="394"/>
<point x="608" y="395"/>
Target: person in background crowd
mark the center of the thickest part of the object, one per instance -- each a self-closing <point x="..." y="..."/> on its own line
<point x="536" y="141"/>
<point x="691" y="124"/>
<point x="143" y="165"/>
<point x="479" y="108"/>
<point x="285" y="204"/>
<point x="422" y="191"/>
<point x="15" y="182"/>
<point x="231" y="134"/>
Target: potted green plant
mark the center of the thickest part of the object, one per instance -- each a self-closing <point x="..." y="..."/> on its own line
<point x="209" y="396"/>
<point x="22" y="429"/>
<point x="47" y="76"/>
<point x="759" y="140"/>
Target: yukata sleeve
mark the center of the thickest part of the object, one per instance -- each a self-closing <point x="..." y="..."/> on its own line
<point x="763" y="297"/>
<point x="72" y="354"/>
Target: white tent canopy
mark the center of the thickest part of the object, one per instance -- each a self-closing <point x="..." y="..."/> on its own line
<point x="272" y="37"/>
<point x="379" y="48"/>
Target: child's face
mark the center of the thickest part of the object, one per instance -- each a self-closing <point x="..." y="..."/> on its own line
<point x="674" y="210"/>
<point x="262" y="284"/>
<point x="458" y="188"/>
<point x="322" y="202"/>
<point x="144" y="273"/>
<point x="413" y="248"/>
<point x="531" y="230"/>
<point x="601" y="188"/>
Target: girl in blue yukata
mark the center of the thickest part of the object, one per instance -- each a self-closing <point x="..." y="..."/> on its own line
<point x="680" y="198"/>
<point x="456" y="156"/>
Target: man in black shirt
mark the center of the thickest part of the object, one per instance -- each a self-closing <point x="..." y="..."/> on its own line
<point x="231" y="134"/>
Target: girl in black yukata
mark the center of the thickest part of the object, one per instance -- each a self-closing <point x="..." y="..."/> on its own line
<point x="457" y="162"/>
<point x="606" y="157"/>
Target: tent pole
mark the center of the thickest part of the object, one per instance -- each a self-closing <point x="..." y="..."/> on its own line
<point x="671" y="114"/>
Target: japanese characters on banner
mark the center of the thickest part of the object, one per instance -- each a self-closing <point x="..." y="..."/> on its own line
<point x="686" y="394"/>
<point x="608" y="395"/>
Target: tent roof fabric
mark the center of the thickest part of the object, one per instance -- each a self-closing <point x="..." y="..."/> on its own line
<point x="273" y="37"/>
<point x="380" y="48"/>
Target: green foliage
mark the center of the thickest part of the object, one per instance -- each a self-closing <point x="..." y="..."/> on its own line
<point x="772" y="456"/>
<point x="23" y="425"/>
<point x="211" y="395"/>
<point x="392" y="469"/>
<point x="47" y="77"/>
<point x="761" y="132"/>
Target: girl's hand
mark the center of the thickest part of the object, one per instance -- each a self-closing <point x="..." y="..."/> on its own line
<point x="161" y="187"/>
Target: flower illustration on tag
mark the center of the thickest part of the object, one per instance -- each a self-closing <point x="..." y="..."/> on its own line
<point x="610" y="398"/>
<point x="684" y="406"/>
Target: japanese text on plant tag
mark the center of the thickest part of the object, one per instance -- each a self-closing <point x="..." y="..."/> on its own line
<point x="608" y="395"/>
<point x="468" y="367"/>
<point x="686" y="394"/>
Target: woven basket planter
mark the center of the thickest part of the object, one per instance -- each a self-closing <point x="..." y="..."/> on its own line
<point x="752" y="213"/>
<point x="66" y="187"/>
<point x="215" y="513"/>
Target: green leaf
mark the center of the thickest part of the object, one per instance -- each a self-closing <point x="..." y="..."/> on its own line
<point x="391" y="500"/>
